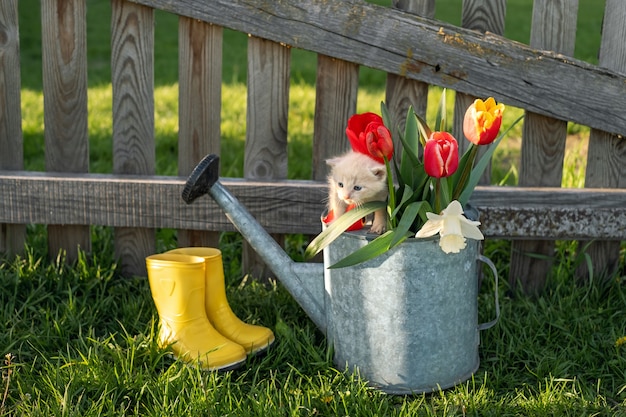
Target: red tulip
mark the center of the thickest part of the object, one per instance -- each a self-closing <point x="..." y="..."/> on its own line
<point x="482" y="121"/>
<point x="441" y="155"/>
<point x="368" y="135"/>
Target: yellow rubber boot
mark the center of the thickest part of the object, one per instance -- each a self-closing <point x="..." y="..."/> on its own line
<point x="177" y="283"/>
<point x="254" y="339"/>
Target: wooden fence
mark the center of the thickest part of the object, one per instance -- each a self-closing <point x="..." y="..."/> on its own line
<point x="404" y="41"/>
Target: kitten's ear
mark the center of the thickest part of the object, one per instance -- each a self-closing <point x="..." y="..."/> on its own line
<point x="333" y="161"/>
<point x="379" y="172"/>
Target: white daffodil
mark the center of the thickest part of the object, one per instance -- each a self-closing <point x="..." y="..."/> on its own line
<point x="452" y="226"/>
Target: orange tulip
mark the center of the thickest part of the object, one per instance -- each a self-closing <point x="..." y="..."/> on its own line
<point x="482" y="121"/>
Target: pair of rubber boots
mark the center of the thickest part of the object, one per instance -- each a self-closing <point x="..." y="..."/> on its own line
<point x="187" y="286"/>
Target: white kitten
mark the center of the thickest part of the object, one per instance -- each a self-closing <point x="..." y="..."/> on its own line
<point x="357" y="179"/>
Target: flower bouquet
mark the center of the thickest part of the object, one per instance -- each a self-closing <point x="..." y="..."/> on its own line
<point x="431" y="189"/>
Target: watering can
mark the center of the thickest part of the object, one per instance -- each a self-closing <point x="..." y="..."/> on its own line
<point x="406" y="332"/>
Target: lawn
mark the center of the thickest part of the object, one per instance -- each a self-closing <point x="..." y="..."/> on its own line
<point x="79" y="340"/>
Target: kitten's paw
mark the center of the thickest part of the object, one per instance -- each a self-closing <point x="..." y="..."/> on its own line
<point x="377" y="228"/>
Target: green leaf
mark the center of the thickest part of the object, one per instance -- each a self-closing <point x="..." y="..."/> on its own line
<point x="407" y="193"/>
<point x="340" y="225"/>
<point x="410" y="144"/>
<point x="481" y="165"/>
<point x="445" y="193"/>
<point x="384" y="112"/>
<point x="411" y="133"/>
<point x="424" y="129"/>
<point x="463" y="161"/>
<point x="440" y="120"/>
<point x="373" y="249"/>
<point x="408" y="217"/>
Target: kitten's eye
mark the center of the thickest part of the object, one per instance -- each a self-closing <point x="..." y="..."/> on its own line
<point x="340" y="184"/>
<point x="357" y="188"/>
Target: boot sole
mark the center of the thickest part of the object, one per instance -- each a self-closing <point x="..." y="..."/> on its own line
<point x="262" y="350"/>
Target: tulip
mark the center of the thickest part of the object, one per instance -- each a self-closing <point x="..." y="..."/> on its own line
<point x="482" y="121"/>
<point x="368" y="135"/>
<point x="441" y="155"/>
<point x="452" y="226"/>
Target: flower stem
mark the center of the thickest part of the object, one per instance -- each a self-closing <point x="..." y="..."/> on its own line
<point x="437" y="195"/>
<point x="392" y="194"/>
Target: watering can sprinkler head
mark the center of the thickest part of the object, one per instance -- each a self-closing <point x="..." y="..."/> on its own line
<point x="202" y="178"/>
<point x="305" y="281"/>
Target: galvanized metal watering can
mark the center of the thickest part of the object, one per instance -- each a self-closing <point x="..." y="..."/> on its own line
<point x="407" y="320"/>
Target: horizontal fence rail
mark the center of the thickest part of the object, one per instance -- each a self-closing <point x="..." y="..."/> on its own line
<point x="281" y="206"/>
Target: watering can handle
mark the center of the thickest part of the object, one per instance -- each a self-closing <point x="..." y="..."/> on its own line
<point x="484" y="326"/>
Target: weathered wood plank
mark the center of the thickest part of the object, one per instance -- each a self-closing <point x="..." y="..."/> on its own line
<point x="543" y="142"/>
<point x="402" y="92"/>
<point x="336" y="89"/>
<point x="11" y="142"/>
<point x="430" y="51"/>
<point x="64" y="58"/>
<point x="289" y="206"/>
<point x="199" y="108"/>
<point x="267" y="110"/>
<point x="606" y="156"/>
<point x="266" y="125"/>
<point x="483" y="16"/>
<point x="132" y="67"/>
<point x="12" y="236"/>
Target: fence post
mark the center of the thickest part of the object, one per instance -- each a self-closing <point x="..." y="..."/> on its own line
<point x="266" y="125"/>
<point x="483" y="16"/>
<point x="606" y="157"/>
<point x="543" y="143"/>
<point x="12" y="236"/>
<point x="199" y="101"/>
<point x="132" y="72"/>
<point x="336" y="89"/>
<point x="401" y="92"/>
<point x="64" y="56"/>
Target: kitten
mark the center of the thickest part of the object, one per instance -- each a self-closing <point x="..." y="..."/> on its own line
<point x="357" y="179"/>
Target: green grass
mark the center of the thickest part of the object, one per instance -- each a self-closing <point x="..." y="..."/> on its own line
<point x="82" y="343"/>
<point x="81" y="338"/>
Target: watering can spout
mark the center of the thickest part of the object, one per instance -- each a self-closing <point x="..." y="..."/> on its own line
<point x="304" y="281"/>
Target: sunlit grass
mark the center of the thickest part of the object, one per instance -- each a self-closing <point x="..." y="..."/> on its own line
<point x="233" y="131"/>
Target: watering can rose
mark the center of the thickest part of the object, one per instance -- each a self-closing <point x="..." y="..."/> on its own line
<point x="441" y="155"/>
<point x="368" y="135"/>
<point x="482" y="121"/>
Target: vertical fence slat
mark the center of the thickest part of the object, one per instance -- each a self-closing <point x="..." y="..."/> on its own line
<point x="199" y="101"/>
<point x="132" y="66"/>
<point x="266" y="124"/>
<point x="64" y="56"/>
<point x="543" y="142"/>
<point x="606" y="157"/>
<point x="401" y="92"/>
<point x="336" y="89"/>
<point x="12" y="236"/>
<point x="484" y="16"/>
